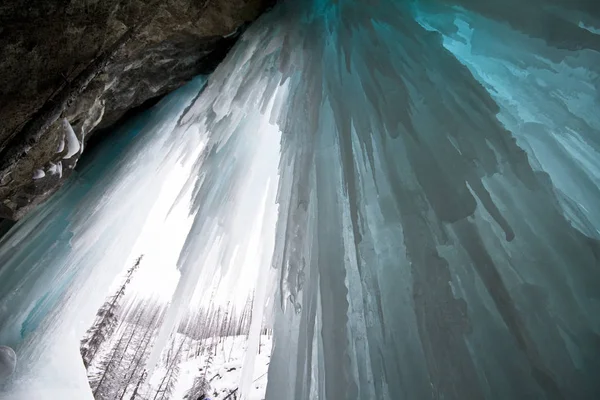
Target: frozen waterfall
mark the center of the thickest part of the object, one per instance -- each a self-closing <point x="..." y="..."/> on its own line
<point x="414" y="184"/>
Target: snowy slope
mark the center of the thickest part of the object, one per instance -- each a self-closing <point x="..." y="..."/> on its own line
<point x="221" y="365"/>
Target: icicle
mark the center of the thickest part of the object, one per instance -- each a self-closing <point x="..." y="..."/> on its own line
<point x="73" y="145"/>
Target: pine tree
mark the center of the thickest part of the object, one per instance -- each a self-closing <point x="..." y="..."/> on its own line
<point x="141" y="352"/>
<point x="99" y="384"/>
<point x="244" y="321"/>
<point x="135" y="393"/>
<point x="165" y="389"/>
<point x="106" y="320"/>
<point x="106" y="385"/>
<point x="200" y="388"/>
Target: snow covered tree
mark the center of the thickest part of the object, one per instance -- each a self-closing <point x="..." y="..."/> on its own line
<point x="135" y="371"/>
<point x="106" y="320"/>
<point x="135" y="395"/>
<point x="199" y="388"/>
<point x="246" y="317"/>
<point x="113" y="367"/>
<point x="136" y="390"/>
<point x="167" y="384"/>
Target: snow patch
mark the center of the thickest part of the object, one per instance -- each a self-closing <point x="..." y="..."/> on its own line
<point x="221" y="365"/>
<point x="38" y="174"/>
<point x="55" y="169"/>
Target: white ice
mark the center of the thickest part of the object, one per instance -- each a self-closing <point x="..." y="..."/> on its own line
<point x="73" y="145"/>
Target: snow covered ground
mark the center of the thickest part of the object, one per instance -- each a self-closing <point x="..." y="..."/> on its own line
<point x="221" y="365"/>
<point x="217" y="361"/>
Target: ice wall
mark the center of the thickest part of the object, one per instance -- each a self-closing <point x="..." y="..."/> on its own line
<point x="423" y="253"/>
<point x="56" y="265"/>
<point x="421" y="177"/>
<point x="437" y="201"/>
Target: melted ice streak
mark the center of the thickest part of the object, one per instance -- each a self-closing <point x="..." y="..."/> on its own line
<point x="435" y="225"/>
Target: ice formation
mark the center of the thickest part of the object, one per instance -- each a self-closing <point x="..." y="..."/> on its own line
<point x="422" y="178"/>
<point x="58" y="263"/>
<point x="73" y="146"/>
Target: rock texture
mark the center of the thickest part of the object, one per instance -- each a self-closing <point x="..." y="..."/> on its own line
<point x="46" y="44"/>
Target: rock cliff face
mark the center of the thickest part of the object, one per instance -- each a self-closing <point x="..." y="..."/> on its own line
<point x="148" y="48"/>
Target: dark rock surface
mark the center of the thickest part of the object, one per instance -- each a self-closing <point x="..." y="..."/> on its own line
<point x="45" y="44"/>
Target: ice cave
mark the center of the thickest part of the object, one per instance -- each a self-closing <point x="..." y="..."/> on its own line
<point x="300" y="200"/>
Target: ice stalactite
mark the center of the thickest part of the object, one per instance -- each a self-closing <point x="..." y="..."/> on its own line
<point x="421" y="177"/>
<point x="233" y="200"/>
<point x="421" y="254"/>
